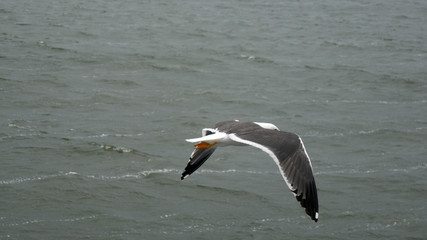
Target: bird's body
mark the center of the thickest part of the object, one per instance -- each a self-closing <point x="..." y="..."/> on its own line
<point x="286" y="149"/>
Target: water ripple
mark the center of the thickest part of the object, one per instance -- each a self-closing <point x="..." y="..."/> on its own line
<point x="35" y="178"/>
<point x="34" y="221"/>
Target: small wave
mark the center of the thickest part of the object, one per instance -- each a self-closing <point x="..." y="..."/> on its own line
<point x="249" y="57"/>
<point x="168" y="215"/>
<point x="98" y="136"/>
<point x="104" y="135"/>
<point x="24" y="222"/>
<point x="371" y="171"/>
<point x="36" y="178"/>
<point x="388" y="225"/>
<point x="381" y="102"/>
<point x="344" y="171"/>
<point x="35" y="221"/>
<point x="384" y="131"/>
<point x="75" y="219"/>
<point x="147" y="173"/>
<point x="140" y="174"/>
<point x="13" y="125"/>
<point x="5" y="137"/>
<point x="117" y="149"/>
<point x="354" y="101"/>
<point x="368" y="132"/>
<point x="135" y="175"/>
<point x="317" y="134"/>
<point x="409" y="169"/>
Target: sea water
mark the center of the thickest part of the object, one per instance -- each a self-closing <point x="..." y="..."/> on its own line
<point x="98" y="97"/>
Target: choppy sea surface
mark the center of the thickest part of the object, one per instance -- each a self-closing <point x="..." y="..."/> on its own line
<point x="97" y="97"/>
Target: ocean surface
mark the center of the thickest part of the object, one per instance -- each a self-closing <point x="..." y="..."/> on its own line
<point x="97" y="97"/>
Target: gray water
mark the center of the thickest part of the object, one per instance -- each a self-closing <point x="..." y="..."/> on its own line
<point x="97" y="97"/>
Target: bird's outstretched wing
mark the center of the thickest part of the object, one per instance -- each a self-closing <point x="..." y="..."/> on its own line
<point x="197" y="158"/>
<point x="288" y="151"/>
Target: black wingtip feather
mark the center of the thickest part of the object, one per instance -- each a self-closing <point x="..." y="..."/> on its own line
<point x="309" y="201"/>
<point x="198" y="157"/>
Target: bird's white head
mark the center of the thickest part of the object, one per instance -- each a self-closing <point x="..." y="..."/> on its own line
<point x="267" y="126"/>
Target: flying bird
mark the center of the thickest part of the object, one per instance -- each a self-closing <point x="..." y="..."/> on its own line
<point x="285" y="148"/>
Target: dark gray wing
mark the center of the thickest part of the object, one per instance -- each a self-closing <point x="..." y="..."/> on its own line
<point x="198" y="157"/>
<point x="288" y="151"/>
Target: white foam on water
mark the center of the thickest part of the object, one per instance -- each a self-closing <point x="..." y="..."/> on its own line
<point x="117" y="149"/>
<point x="140" y="174"/>
<point x="35" y="178"/>
<point x="35" y="221"/>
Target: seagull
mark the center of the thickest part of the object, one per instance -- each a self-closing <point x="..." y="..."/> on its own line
<point x="285" y="148"/>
